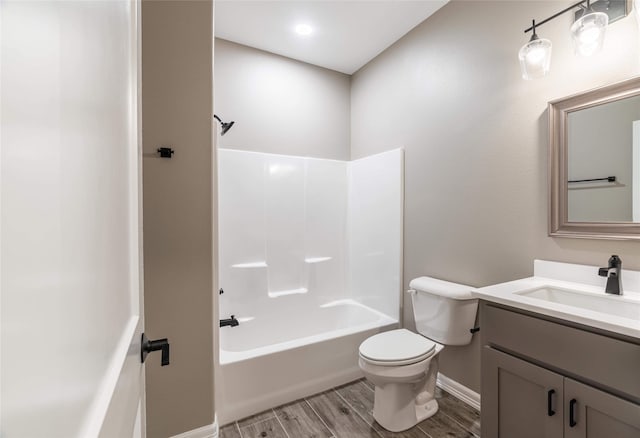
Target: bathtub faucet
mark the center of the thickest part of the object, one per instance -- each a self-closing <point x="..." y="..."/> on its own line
<point x="230" y="321"/>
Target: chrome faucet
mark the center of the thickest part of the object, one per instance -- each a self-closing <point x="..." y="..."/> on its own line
<point x="613" y="273"/>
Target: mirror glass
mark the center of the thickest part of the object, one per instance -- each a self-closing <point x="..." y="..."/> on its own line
<point x="594" y="163"/>
<point x="602" y="162"/>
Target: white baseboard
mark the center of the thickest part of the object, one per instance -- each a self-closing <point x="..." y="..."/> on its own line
<point x="459" y="391"/>
<point x="209" y="431"/>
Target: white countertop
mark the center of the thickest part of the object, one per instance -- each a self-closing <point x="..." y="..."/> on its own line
<point x="580" y="278"/>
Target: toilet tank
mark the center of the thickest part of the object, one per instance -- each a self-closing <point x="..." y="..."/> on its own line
<point x="444" y="311"/>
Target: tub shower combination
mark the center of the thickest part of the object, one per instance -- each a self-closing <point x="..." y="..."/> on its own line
<point x="310" y="266"/>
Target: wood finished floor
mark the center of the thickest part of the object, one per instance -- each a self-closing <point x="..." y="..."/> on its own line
<point x="346" y="412"/>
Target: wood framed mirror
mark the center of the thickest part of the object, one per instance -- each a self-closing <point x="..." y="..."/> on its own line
<point x="594" y="163"/>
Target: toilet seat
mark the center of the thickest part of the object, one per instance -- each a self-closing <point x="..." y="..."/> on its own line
<point x="395" y="348"/>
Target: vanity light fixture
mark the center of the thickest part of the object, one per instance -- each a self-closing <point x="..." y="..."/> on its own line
<point x="587" y="32"/>
<point x="535" y="56"/>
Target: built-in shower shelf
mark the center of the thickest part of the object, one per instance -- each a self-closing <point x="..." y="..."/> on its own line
<point x="282" y="293"/>
<point x="312" y="260"/>
<point x="250" y="265"/>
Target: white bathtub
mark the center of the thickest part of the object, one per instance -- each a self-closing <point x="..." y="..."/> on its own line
<point x="279" y="357"/>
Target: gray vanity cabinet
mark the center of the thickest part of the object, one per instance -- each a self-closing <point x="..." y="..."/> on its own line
<point x="598" y="414"/>
<point x="544" y="378"/>
<point x="519" y="399"/>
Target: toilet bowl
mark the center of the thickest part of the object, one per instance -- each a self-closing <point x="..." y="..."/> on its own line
<point x="404" y="379"/>
<point x="403" y="365"/>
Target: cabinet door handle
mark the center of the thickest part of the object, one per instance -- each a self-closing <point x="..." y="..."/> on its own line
<point x="572" y="418"/>
<point x="550" y="411"/>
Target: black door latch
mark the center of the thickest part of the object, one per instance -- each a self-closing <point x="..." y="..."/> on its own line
<point x="165" y="152"/>
<point x="149" y="346"/>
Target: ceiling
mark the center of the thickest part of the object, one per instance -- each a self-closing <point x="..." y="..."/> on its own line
<point x="346" y="34"/>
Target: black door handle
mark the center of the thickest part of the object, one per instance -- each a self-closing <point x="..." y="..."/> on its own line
<point x="550" y="411"/>
<point x="572" y="418"/>
<point x="149" y="346"/>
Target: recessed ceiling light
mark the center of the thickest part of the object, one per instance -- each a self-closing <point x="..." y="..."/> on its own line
<point x="304" y="29"/>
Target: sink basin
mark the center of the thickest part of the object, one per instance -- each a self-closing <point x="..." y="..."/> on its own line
<point x="573" y="293"/>
<point x="609" y="304"/>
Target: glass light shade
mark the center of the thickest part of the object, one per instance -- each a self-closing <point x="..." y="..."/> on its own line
<point x="588" y="32"/>
<point x="535" y="58"/>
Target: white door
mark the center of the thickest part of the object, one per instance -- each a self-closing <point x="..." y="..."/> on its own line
<point x="71" y="295"/>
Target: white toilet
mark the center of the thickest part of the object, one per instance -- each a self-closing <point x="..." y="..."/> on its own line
<point x="403" y="365"/>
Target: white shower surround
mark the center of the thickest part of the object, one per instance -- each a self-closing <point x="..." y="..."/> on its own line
<point x="311" y="264"/>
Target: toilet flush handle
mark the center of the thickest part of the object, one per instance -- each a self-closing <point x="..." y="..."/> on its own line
<point x="411" y="291"/>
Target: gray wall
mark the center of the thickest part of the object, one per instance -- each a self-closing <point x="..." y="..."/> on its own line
<point x="475" y="136"/>
<point x="280" y="105"/>
<point x="177" y="106"/>
<point x="601" y="145"/>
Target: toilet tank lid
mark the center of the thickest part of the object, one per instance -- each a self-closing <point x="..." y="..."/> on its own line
<point x="443" y="288"/>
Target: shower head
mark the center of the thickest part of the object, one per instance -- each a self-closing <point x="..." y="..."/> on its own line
<point x="225" y="126"/>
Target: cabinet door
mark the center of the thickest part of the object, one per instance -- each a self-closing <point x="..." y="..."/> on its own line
<point x="596" y="414"/>
<point x="519" y="399"/>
